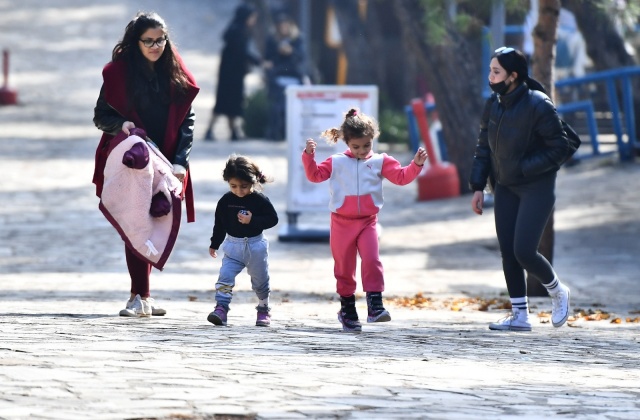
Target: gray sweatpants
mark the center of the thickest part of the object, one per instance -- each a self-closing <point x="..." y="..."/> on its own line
<point x="239" y="253"/>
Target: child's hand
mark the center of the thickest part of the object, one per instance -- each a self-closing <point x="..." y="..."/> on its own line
<point x="421" y="156"/>
<point x="244" y="217"/>
<point x="213" y="252"/>
<point x="311" y="147"/>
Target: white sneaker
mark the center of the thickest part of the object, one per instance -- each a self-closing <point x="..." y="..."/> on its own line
<point x="517" y="320"/>
<point x="560" y="306"/>
<point x="155" y="309"/>
<point x="136" y="307"/>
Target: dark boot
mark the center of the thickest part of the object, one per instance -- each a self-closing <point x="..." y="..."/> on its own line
<point x="376" y="311"/>
<point x="348" y="316"/>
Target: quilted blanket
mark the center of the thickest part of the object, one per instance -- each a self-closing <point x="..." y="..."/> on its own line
<point x="141" y="197"/>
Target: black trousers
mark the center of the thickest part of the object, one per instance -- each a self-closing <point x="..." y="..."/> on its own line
<point x="521" y="214"/>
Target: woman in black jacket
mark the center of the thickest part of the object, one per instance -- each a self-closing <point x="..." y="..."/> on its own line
<point x="520" y="147"/>
<point x="235" y="62"/>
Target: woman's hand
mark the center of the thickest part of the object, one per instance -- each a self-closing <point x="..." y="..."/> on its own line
<point x="179" y="172"/>
<point x="311" y="147"/>
<point x="421" y="156"/>
<point x="477" y="202"/>
<point x="126" y="126"/>
<point x="213" y="252"/>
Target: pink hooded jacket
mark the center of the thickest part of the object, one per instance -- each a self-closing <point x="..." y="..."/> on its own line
<point x="355" y="185"/>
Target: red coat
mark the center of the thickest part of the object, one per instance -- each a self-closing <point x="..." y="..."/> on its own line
<point x="114" y="76"/>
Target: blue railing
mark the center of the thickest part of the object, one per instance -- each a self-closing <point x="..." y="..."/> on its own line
<point x="626" y="148"/>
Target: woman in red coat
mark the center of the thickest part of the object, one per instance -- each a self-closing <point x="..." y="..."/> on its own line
<point x="146" y="85"/>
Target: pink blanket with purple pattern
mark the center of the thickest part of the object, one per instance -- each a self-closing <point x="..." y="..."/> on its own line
<point x="141" y="197"/>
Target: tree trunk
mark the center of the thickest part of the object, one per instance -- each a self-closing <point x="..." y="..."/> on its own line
<point x="604" y="44"/>
<point x="451" y="71"/>
<point x="544" y="37"/>
<point x="355" y="40"/>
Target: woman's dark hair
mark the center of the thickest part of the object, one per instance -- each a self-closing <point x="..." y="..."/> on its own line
<point x="242" y="168"/>
<point x="239" y="21"/>
<point x="128" y="50"/>
<point x="515" y="61"/>
<point x="355" y="125"/>
<point x="242" y="14"/>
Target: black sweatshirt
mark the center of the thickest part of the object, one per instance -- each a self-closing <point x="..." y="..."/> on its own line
<point x="263" y="216"/>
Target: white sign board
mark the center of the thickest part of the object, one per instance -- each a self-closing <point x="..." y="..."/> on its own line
<point x="311" y="109"/>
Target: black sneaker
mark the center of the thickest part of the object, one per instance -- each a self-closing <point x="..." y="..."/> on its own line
<point x="348" y="316"/>
<point x="376" y="312"/>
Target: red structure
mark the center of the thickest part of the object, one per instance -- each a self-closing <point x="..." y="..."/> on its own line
<point x="7" y="96"/>
<point x="440" y="179"/>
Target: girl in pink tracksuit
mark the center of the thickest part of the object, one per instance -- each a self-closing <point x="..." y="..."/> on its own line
<point x="355" y="183"/>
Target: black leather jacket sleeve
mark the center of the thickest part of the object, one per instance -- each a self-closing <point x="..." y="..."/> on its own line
<point x="105" y="117"/>
<point x="552" y="144"/>
<point x="481" y="167"/>
<point x="185" y="140"/>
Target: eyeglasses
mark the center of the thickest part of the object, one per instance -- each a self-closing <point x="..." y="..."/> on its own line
<point x="149" y="43"/>
<point x="504" y="50"/>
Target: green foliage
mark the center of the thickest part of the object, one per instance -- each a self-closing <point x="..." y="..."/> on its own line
<point x="256" y="114"/>
<point x="469" y="16"/>
<point x="394" y="128"/>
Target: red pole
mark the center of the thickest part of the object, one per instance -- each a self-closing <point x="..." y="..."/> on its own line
<point x="7" y="96"/>
<point x="439" y="180"/>
<point x="421" y="118"/>
<point x="5" y="68"/>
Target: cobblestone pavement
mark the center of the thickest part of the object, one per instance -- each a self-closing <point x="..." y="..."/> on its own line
<point x="65" y="354"/>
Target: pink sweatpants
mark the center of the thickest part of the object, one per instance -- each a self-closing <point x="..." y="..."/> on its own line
<point x="351" y="236"/>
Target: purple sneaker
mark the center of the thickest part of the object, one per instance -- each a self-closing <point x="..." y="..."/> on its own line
<point x="263" y="319"/>
<point x="349" y="322"/>
<point x="376" y="311"/>
<point x="218" y="316"/>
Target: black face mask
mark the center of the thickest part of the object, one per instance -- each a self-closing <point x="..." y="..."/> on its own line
<point x="500" y="88"/>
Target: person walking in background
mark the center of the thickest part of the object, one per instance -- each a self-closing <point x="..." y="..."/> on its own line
<point x="521" y="146"/>
<point x="284" y="62"/>
<point x="242" y="214"/>
<point x="355" y="182"/>
<point x="146" y="85"/>
<point x="235" y="62"/>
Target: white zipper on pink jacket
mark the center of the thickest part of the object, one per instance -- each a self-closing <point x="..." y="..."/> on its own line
<point x="355" y="185"/>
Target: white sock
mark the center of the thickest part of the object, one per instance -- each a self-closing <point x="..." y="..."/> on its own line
<point x="522" y="304"/>
<point x="553" y="286"/>
<point x="264" y="302"/>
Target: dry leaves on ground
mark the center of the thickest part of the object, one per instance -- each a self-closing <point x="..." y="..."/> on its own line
<point x="589" y="315"/>
<point x="419" y="301"/>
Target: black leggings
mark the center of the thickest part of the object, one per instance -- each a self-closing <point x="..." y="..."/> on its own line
<point x="521" y="213"/>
